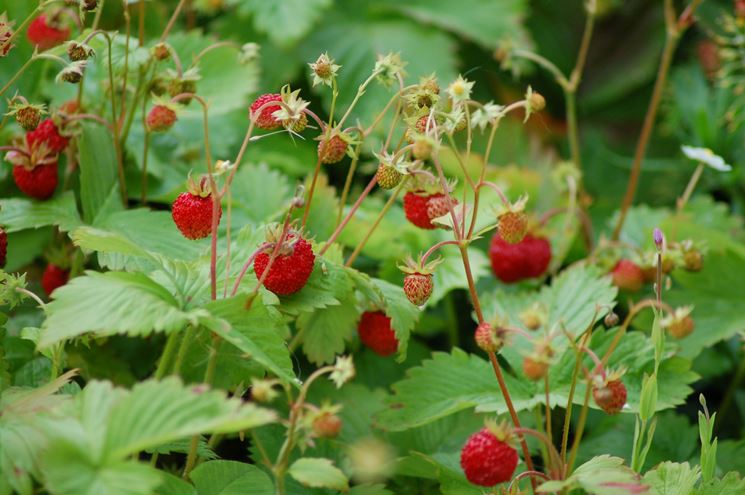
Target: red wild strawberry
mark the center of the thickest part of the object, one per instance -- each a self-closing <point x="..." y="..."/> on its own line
<point x="265" y="120"/>
<point x="627" y="275"/>
<point x="487" y="458"/>
<point x="53" y="277"/>
<point x="528" y="258"/>
<point x="3" y="247"/>
<point x="513" y="226"/>
<point x="609" y="393"/>
<point x="46" y="34"/>
<point x="439" y="206"/>
<point x="417" y="208"/>
<point x="47" y="133"/>
<point x="333" y="149"/>
<point x="376" y="333"/>
<point x="418" y="283"/>
<point x="160" y="118"/>
<point x="488" y="338"/>
<point x="291" y="268"/>
<point x="39" y="181"/>
<point x="192" y="210"/>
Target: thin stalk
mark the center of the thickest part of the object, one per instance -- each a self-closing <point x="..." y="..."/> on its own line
<point x="580" y="431"/>
<point x="183" y="349"/>
<point x="143" y="193"/>
<point x="33" y="296"/>
<point x="348" y="184"/>
<point x="360" y="92"/>
<point x="690" y="187"/>
<point x="571" y="105"/>
<point x="570" y="398"/>
<point x="312" y="189"/>
<point x="381" y="214"/>
<point x="166" y="356"/>
<point x="141" y="23"/>
<point x="349" y="216"/>
<point x="172" y="20"/>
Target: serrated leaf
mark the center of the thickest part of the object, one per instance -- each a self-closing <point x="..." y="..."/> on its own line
<point x="318" y="473"/>
<point x="20" y="213"/>
<point x="113" y="303"/>
<point x="485" y="21"/>
<point x="283" y="21"/>
<point x="98" y="168"/>
<point x="327" y="286"/>
<point x="730" y="484"/>
<point x="604" y="475"/>
<point x="714" y="293"/>
<point x="325" y="330"/>
<point x="257" y="332"/>
<point x="671" y="478"/>
<point x="403" y="314"/>
<point x="173" y="485"/>
<point x="230" y="478"/>
<point x="259" y="194"/>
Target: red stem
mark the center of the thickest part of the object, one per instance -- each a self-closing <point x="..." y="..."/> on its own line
<point x="349" y="216"/>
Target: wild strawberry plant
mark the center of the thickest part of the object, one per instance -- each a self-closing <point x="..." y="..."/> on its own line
<point x="392" y="309"/>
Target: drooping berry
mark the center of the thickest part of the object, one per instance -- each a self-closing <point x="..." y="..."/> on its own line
<point x="28" y="116"/>
<point x="265" y="120"/>
<point x="376" y="333"/>
<point x="291" y="269"/>
<point x="46" y="34"/>
<point x="487" y="458"/>
<point x="418" y="283"/>
<point x="160" y="118"/>
<point x="332" y="150"/>
<point x="192" y="211"/>
<point x="528" y="258"/>
<point x="513" y="225"/>
<point x="39" y="181"/>
<point x="610" y="395"/>
<point x="679" y="323"/>
<point x="417" y="208"/>
<point x="388" y="176"/>
<point x="48" y="134"/>
<point x="53" y="278"/>
<point x="627" y="275"/>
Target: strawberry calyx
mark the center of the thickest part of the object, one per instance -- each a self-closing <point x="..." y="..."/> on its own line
<point x="273" y="236"/>
<point x="200" y="188"/>
<point x="292" y="111"/>
<point x="501" y="430"/>
<point x="31" y="156"/>
<point x="419" y="266"/>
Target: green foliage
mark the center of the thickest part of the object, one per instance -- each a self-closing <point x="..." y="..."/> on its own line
<point x="318" y="473"/>
<point x="603" y="474"/>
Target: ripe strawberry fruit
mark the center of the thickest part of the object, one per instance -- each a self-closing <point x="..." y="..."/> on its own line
<point x="47" y="133"/>
<point x="265" y="120"/>
<point x="291" y="268"/>
<point x="45" y="34"/>
<point x="528" y="258"/>
<point x="39" y="182"/>
<point x="332" y="150"/>
<point x="609" y="394"/>
<point x="53" y="277"/>
<point x="192" y="211"/>
<point x="160" y="118"/>
<point x="3" y="247"/>
<point x="417" y="208"/>
<point x="627" y="275"/>
<point x="376" y="333"/>
<point x="487" y="458"/>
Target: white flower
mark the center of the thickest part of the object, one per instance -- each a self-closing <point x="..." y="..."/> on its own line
<point x="707" y="157"/>
<point x="343" y="371"/>
<point x="486" y="115"/>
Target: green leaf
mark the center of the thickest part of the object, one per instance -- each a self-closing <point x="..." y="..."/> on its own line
<point x="69" y="469"/>
<point x="403" y="314"/>
<point x="257" y="332"/>
<point x="672" y="478"/>
<point x="485" y="21"/>
<point x="230" y="478"/>
<point x="98" y="168"/>
<point x="173" y="485"/>
<point x="318" y="473"/>
<point x="113" y="303"/>
<point x="730" y="484"/>
<point x="327" y="286"/>
<point x="259" y="194"/>
<point x="19" y="213"/>
<point x="283" y="21"/>
<point x="714" y="292"/>
<point x="599" y="475"/>
<point x="325" y="330"/>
